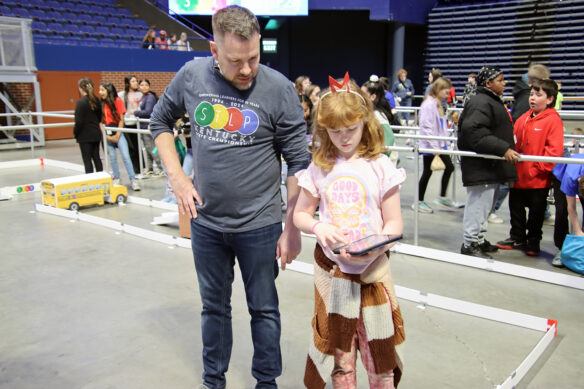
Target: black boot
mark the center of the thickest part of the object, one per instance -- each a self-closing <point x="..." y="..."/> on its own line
<point x="474" y="250"/>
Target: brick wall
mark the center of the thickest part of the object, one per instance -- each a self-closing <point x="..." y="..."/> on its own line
<point x="158" y="80"/>
<point x="59" y="91"/>
<point x="22" y="92"/>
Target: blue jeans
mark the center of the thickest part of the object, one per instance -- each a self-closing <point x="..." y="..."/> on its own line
<point x="215" y="254"/>
<point x="122" y="145"/>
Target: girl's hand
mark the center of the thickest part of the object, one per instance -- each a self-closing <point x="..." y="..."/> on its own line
<point x="369" y="256"/>
<point x="329" y="235"/>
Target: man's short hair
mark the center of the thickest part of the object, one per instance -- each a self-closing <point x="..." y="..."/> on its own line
<point x="536" y="72"/>
<point x="549" y="87"/>
<point x="237" y="20"/>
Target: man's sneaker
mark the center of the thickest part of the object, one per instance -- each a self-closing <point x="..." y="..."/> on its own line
<point x="510" y="244"/>
<point x="116" y="181"/>
<point x="557" y="261"/>
<point x="135" y="186"/>
<point x="157" y="172"/>
<point x="474" y="250"/>
<point x="532" y="250"/>
<point x="487" y="247"/>
<point x="493" y="218"/>
<point x="423" y="207"/>
<point x="446" y="203"/>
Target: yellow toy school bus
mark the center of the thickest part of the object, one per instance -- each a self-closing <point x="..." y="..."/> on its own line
<point x="82" y="190"/>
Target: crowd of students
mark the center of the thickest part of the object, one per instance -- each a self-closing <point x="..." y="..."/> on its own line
<point x="97" y="111"/>
<point x="164" y="41"/>
<point x="528" y="183"/>
<point x="531" y="126"/>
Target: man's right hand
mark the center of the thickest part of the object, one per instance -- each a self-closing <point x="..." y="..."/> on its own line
<point x="185" y="194"/>
<point x="182" y="185"/>
<point x="512" y="156"/>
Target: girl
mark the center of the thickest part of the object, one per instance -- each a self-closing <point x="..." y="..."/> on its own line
<point x="432" y="123"/>
<point x="301" y="83"/>
<point x="87" y="131"/>
<point x="357" y="190"/>
<point x="182" y="44"/>
<point x="143" y="112"/>
<point x="131" y="97"/>
<point x="149" y="41"/>
<point x="312" y="92"/>
<point x="374" y="90"/>
<point x="113" y="116"/>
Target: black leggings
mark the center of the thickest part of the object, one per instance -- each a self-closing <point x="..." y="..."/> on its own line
<point x="428" y="172"/>
<point x="89" y="153"/>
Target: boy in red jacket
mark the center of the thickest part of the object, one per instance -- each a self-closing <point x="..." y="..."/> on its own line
<point x="539" y="131"/>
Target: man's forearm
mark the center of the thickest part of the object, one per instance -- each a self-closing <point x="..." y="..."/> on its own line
<point x="293" y="191"/>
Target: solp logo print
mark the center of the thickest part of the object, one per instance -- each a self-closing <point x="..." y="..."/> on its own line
<point x="231" y="119"/>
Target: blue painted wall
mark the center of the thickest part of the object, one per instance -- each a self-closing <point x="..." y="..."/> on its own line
<point x="81" y="58"/>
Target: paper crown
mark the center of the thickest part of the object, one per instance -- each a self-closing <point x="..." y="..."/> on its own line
<point x="345" y="86"/>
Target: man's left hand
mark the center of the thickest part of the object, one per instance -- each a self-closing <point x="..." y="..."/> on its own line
<point x="289" y="246"/>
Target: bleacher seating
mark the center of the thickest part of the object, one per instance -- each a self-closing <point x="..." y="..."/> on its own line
<point x="463" y="36"/>
<point x="79" y="22"/>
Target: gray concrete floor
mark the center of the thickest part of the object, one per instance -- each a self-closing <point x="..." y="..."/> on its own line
<point x="84" y="307"/>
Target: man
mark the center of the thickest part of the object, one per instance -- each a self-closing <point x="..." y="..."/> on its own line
<point x="243" y="117"/>
<point x="485" y="128"/>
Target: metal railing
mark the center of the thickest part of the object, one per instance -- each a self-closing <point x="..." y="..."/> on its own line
<point x="123" y="130"/>
<point x="417" y="151"/>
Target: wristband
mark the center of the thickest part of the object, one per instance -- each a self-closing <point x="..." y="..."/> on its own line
<point x="314" y="226"/>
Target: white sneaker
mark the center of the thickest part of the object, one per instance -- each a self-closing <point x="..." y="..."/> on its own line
<point x="446" y="203"/>
<point x="135" y="186"/>
<point x="493" y="218"/>
<point x="557" y="261"/>
<point x="423" y="207"/>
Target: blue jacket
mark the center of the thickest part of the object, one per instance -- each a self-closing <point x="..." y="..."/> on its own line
<point x="400" y="89"/>
<point x="145" y="109"/>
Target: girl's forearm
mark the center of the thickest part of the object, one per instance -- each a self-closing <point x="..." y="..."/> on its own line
<point x="304" y="221"/>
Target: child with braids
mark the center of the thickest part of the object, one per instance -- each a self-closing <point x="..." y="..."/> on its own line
<point x="357" y="189"/>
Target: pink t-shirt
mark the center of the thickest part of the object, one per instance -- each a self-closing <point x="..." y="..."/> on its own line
<point x="350" y="198"/>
